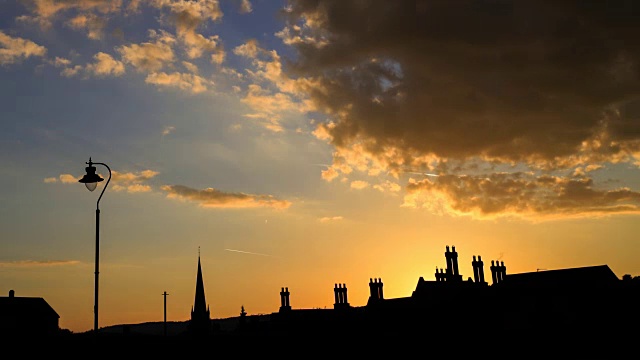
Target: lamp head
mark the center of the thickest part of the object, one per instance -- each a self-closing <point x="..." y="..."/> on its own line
<point x="91" y="179"/>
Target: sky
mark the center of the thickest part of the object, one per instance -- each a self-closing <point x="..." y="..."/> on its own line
<point x="306" y="143"/>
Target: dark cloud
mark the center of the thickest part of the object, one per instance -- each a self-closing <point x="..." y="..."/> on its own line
<point x="551" y="83"/>
<point x="521" y="195"/>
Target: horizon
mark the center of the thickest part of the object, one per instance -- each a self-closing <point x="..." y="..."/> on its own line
<point x="305" y="143"/>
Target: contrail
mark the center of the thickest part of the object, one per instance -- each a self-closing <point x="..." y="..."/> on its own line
<point x="421" y="173"/>
<point x="247" y="252"/>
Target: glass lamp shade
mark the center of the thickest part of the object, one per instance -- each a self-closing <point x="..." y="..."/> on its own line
<point x="91" y="179"/>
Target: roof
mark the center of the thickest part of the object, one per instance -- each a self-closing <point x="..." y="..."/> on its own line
<point x="36" y="306"/>
<point x="589" y="276"/>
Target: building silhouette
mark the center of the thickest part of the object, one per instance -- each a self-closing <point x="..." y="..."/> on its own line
<point x="583" y="300"/>
<point x="200" y="322"/>
<point x="27" y="316"/>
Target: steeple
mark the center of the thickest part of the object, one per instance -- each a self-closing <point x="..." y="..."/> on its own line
<point x="200" y="319"/>
<point x="199" y="305"/>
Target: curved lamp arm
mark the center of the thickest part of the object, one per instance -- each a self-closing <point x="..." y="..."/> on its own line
<point x="105" y="185"/>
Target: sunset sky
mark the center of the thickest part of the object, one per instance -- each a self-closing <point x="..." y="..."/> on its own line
<point x="305" y="143"/>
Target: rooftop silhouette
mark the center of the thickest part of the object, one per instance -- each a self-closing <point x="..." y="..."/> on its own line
<point x="584" y="300"/>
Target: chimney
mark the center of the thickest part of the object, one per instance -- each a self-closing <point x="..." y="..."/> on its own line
<point x="344" y="293"/>
<point x="447" y="255"/>
<point x="481" y="269"/>
<point x="284" y="299"/>
<point x="12" y="293"/>
<point x="494" y="275"/>
<point x="474" y="265"/>
<point x="371" y="289"/>
<point x="454" y="261"/>
<point x="380" y="293"/>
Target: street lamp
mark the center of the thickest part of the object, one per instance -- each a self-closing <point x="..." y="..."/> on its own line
<point x="91" y="180"/>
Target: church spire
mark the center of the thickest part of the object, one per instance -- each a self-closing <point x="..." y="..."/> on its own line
<point x="200" y="316"/>
<point x="199" y="305"/>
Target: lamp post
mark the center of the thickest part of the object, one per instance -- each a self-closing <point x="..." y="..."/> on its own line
<point x="91" y="180"/>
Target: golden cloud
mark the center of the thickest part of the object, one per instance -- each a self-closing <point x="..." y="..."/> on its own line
<point x="359" y="184"/>
<point x="150" y="56"/>
<point x="248" y="49"/>
<point x="329" y="173"/>
<point x="388" y="186"/>
<point x="269" y="106"/>
<point x="183" y="81"/>
<point x="69" y="179"/>
<point x="188" y="16"/>
<point x="105" y="65"/>
<point x="93" y="24"/>
<point x="519" y="195"/>
<point x="131" y="182"/>
<point x="43" y="11"/>
<point x="16" y="49"/>
<point x="330" y="219"/>
<point x="213" y="198"/>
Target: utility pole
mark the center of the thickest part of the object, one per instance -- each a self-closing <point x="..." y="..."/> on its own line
<point x="165" y="313"/>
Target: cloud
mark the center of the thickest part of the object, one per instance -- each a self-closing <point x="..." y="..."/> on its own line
<point x="132" y="188"/>
<point x="168" y="130"/>
<point x="359" y="184"/>
<point x="330" y="173"/>
<point x="272" y="94"/>
<point x="522" y="195"/>
<point x="150" y="56"/>
<point x="213" y="198"/>
<point x="61" y="62"/>
<point x="69" y="179"/>
<point x="269" y="106"/>
<point x="245" y="7"/>
<point x="103" y="65"/>
<point x="93" y="24"/>
<point x="192" y="68"/>
<point x="16" y="49"/>
<point x="330" y="219"/>
<point x="188" y="16"/>
<point x="131" y="182"/>
<point x="249" y="49"/>
<point x="388" y="186"/>
<point x="37" y="263"/>
<point x="44" y="11"/>
<point x="130" y="177"/>
<point x="542" y="84"/>
<point x="453" y="84"/>
<point x="183" y="81"/>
